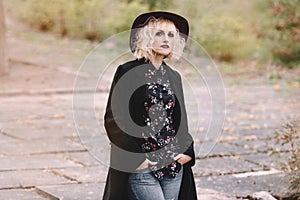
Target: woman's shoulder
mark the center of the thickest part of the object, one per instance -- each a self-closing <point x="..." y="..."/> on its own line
<point x="173" y="72"/>
<point x="123" y="68"/>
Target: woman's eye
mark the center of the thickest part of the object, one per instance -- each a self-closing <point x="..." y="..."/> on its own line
<point x="171" y="34"/>
<point x="159" y="33"/>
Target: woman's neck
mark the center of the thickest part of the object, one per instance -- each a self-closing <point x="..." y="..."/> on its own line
<point x="157" y="61"/>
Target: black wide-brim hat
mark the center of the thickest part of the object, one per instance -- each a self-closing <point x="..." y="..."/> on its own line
<point x="140" y="21"/>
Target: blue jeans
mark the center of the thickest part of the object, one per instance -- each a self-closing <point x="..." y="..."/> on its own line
<point x="143" y="185"/>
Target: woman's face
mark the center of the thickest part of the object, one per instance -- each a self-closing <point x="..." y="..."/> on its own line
<point x="164" y="36"/>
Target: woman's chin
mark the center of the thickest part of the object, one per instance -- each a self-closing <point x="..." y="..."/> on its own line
<point x="162" y="53"/>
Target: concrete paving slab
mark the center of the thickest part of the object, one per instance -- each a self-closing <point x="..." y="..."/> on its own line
<point x="75" y="191"/>
<point x="85" y="174"/>
<point x="30" y="178"/>
<point x="257" y="145"/>
<point x="30" y="112"/>
<point x="208" y="194"/>
<point x="6" y="138"/>
<point x="85" y="158"/>
<point x="40" y="146"/>
<point x="24" y="112"/>
<point x="20" y="194"/>
<point x="276" y="184"/>
<point x="61" y="119"/>
<point x="218" y="149"/>
<point x="99" y="148"/>
<point x="259" y="133"/>
<point x="47" y="131"/>
<point x="259" y="124"/>
<point x="223" y="165"/>
<point x="268" y="161"/>
<point x="9" y="163"/>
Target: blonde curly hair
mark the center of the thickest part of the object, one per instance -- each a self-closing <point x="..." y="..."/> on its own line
<point x="144" y="39"/>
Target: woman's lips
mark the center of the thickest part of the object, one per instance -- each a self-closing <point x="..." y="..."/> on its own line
<point x="164" y="46"/>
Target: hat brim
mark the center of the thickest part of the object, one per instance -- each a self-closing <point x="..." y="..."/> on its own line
<point x="140" y="21"/>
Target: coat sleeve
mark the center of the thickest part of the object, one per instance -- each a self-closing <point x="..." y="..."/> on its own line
<point x="114" y="124"/>
<point x="188" y="186"/>
<point x="186" y="140"/>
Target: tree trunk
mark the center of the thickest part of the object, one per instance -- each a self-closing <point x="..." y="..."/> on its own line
<point x="3" y="59"/>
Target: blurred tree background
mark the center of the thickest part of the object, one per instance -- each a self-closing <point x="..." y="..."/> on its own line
<point x="230" y="30"/>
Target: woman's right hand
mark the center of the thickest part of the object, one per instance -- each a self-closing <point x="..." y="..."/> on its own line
<point x="146" y="164"/>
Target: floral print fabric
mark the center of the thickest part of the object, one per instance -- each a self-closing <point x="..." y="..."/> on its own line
<point x="159" y="104"/>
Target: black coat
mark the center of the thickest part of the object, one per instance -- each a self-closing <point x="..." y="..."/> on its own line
<point x="128" y="103"/>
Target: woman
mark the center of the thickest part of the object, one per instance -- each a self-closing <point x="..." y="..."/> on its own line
<point x="151" y="150"/>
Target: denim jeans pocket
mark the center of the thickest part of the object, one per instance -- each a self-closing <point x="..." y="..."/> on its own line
<point x="143" y="176"/>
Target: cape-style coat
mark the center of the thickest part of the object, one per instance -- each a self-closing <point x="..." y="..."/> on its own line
<point x="123" y="163"/>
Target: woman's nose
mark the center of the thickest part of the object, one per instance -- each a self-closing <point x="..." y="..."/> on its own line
<point x="166" y="38"/>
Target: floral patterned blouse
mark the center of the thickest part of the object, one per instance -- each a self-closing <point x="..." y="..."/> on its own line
<point x="159" y="104"/>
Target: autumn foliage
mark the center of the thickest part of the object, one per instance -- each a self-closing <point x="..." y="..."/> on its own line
<point x="286" y="32"/>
